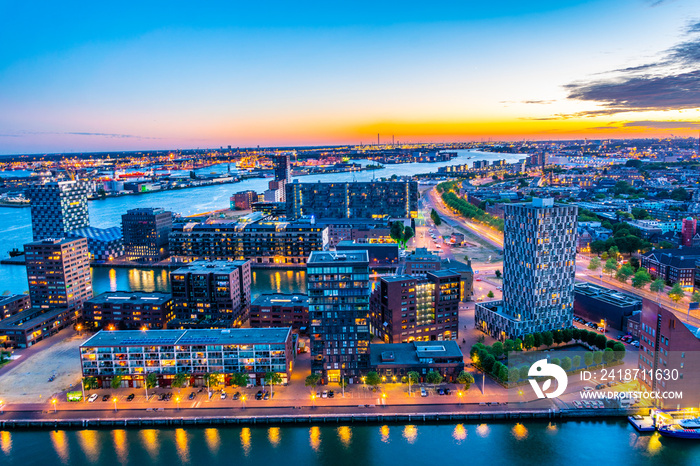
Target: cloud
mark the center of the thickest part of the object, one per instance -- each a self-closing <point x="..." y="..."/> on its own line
<point x="663" y="124"/>
<point x="108" y="135"/>
<point x="693" y="27"/>
<point x="20" y="134"/>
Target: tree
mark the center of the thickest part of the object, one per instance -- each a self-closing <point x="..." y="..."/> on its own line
<point x="598" y="357"/>
<point x="610" y="267"/>
<point x="212" y="379"/>
<point x="413" y="377"/>
<point x="488" y="362"/>
<point x="619" y="350"/>
<point x="624" y="273"/>
<point x="496" y="369"/>
<point x="608" y="355"/>
<point x="588" y="359"/>
<point x="556" y="361"/>
<point x="567" y="334"/>
<point x="490" y="294"/>
<point x="151" y="380"/>
<point x="396" y="231"/>
<point x="498" y="273"/>
<point x="556" y="336"/>
<point x="434" y="377"/>
<point x="180" y="380"/>
<point x="695" y="297"/>
<point x="529" y="341"/>
<point x="466" y="379"/>
<point x="537" y="340"/>
<point x="508" y="346"/>
<point x="676" y="293"/>
<point x="272" y="379"/>
<point x="90" y="383"/>
<point x="604" y="255"/>
<point x="657" y="286"/>
<point x="408" y="233"/>
<point x="239" y="379"/>
<point x="503" y="374"/>
<point x="600" y="341"/>
<point x="372" y="379"/>
<point x="613" y="252"/>
<point x="576" y="362"/>
<point x="312" y="380"/>
<point x="566" y="363"/>
<point x="594" y="264"/>
<point x="547" y="338"/>
<point x="497" y="349"/>
<point x="436" y="218"/>
<point x="641" y="278"/>
<point x="116" y="382"/>
<point x="518" y="345"/>
<point x="513" y="374"/>
<point x="576" y="333"/>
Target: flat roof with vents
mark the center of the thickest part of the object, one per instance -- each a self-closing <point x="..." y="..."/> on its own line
<point x="230" y="336"/>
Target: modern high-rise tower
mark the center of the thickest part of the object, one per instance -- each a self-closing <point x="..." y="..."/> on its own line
<point x="283" y="168"/>
<point x="58" y="208"/>
<point x="338" y="288"/>
<point x="539" y="265"/>
<point x="146" y="233"/>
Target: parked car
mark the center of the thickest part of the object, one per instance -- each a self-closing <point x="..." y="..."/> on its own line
<point x="130" y="397"/>
<point x="92" y="398"/>
<point x="447" y="391"/>
<point x="423" y="392"/>
<point x="587" y="389"/>
<point x="586" y="403"/>
<point x="223" y="395"/>
<point x="105" y="397"/>
<point x="259" y="395"/>
<point x="331" y="394"/>
<point x="236" y="395"/>
<point x="324" y="394"/>
<point x="441" y="391"/>
<point x="192" y="395"/>
<point x="599" y="386"/>
<point x="577" y="404"/>
<point x="266" y="396"/>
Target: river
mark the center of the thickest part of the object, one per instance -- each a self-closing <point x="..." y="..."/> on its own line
<point x="496" y="444"/>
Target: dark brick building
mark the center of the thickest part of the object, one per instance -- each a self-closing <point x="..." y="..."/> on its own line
<point x="280" y="310"/>
<point x="129" y="310"/>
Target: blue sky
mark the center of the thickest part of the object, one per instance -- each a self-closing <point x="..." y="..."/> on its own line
<point x="178" y="75"/>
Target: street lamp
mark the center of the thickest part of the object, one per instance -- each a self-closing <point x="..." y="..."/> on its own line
<point x="114" y="399"/>
<point x="2" y="407"/>
<point x="177" y="400"/>
<point x="459" y="394"/>
<point x="243" y="401"/>
<point x="54" y="401"/>
<point x="79" y="328"/>
<point x="313" y="400"/>
<point x="384" y="398"/>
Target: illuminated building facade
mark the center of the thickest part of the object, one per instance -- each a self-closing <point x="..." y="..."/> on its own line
<point x="394" y="199"/>
<point x="133" y="354"/>
<point x="146" y="233"/>
<point x="58" y="208"/>
<point x="406" y="308"/>
<point x="211" y="294"/>
<point x="129" y="310"/>
<point x="539" y="265"/>
<point x="338" y="289"/>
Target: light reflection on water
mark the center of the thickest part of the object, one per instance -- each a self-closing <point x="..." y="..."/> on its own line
<point x="89" y="444"/>
<point x="521" y="443"/>
<point x="5" y="442"/>
<point x="60" y="445"/>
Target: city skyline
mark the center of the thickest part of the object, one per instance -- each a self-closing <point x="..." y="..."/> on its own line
<point x="157" y="77"/>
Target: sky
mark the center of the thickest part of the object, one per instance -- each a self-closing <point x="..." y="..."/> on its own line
<point x="108" y="76"/>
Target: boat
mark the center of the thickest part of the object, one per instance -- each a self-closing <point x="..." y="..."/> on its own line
<point x="678" y="431"/>
<point x="690" y="423"/>
<point x="16" y="252"/>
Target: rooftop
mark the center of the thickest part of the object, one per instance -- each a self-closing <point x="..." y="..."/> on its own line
<point x="614" y="297"/>
<point x="412" y="353"/>
<point x="52" y="241"/>
<point x="235" y="336"/>
<point x="30" y="317"/>
<point x="281" y="299"/>
<point x="101" y="234"/>
<point x="140" y="297"/>
<point x="211" y="267"/>
<point x="325" y="257"/>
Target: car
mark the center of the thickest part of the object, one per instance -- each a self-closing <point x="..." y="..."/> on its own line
<point x="324" y="394"/>
<point x="223" y="395"/>
<point x="477" y="279"/>
<point x="586" y="403"/>
<point x="587" y="389"/>
<point x="266" y="396"/>
<point x="577" y="404"/>
<point x="441" y="391"/>
<point x="447" y="391"/>
<point x="600" y="404"/>
<point x="130" y="397"/>
<point x="105" y="397"/>
<point x="236" y="395"/>
<point x="599" y="386"/>
<point x="161" y="397"/>
<point x="192" y="395"/>
<point x="423" y="392"/>
<point x="259" y="395"/>
<point x="331" y="394"/>
<point x="92" y="398"/>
